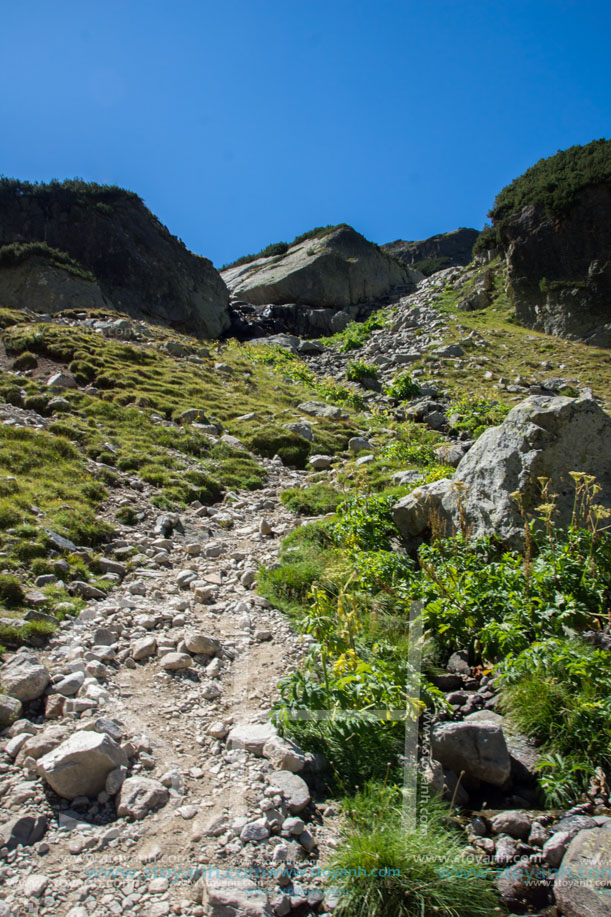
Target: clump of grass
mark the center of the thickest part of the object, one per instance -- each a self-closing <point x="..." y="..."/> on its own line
<point x="11" y="591"/>
<point x="315" y="500"/>
<point x="25" y="361"/>
<point x="305" y="556"/>
<point x="557" y="692"/>
<point x="387" y="867"/>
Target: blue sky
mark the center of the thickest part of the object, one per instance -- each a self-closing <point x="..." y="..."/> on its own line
<point x="243" y="122"/>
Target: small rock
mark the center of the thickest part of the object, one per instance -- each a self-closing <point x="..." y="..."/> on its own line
<point x="10" y="710"/>
<point x="139" y="796"/>
<point x="175" y="662"/>
<point x="35" y="885"/>
<point x="294" y="790"/>
<point x="251" y="736"/>
<point x="199" y="643"/>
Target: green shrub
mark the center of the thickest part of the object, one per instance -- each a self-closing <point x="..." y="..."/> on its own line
<point x="474" y="415"/>
<point x="315" y="500"/>
<point x="357" y="371"/>
<point x="481" y="596"/>
<point x="11" y="591"/>
<point x="402" y="388"/>
<point x="555" y="182"/>
<point x="365" y="522"/>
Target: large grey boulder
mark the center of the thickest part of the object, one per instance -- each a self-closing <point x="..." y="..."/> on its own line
<point x="24" y="677"/>
<point x="340" y="269"/>
<point x="42" y="285"/>
<point x="543" y="437"/>
<point x="477" y="748"/>
<point x="80" y="765"/>
<point x="583" y="884"/>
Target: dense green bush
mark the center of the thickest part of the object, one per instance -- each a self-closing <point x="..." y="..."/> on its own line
<point x="358" y="370"/>
<point x="402" y="388"/>
<point x="555" y="182"/>
<point x="315" y="500"/>
<point x="474" y="415"/>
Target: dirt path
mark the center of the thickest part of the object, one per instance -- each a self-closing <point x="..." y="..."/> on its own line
<point x="92" y="863"/>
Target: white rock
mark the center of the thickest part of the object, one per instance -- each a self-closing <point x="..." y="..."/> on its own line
<point x="35" y="885"/>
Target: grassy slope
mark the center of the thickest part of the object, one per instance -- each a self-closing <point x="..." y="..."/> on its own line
<point x="58" y="478"/>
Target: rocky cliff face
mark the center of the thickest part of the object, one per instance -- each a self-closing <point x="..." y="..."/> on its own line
<point x="449" y="249"/>
<point x="140" y="267"/>
<point x="338" y="270"/>
<point x="559" y="267"/>
<point x="40" y="284"/>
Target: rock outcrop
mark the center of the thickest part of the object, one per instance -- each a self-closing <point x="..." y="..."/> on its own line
<point x="139" y="266"/>
<point x="547" y="437"/>
<point x="448" y="249"/>
<point x="337" y="270"/>
<point x="558" y="267"/>
<point x="40" y="284"/>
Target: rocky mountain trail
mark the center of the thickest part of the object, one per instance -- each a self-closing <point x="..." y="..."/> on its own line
<point x="175" y="671"/>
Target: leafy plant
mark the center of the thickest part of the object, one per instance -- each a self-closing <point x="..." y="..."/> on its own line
<point x="558" y="692"/>
<point x="365" y="521"/>
<point x="473" y="416"/>
<point x="402" y="388"/>
<point x="357" y="371"/>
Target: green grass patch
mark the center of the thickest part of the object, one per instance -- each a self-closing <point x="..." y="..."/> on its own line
<point x="315" y="500"/>
<point x="386" y="867"/>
